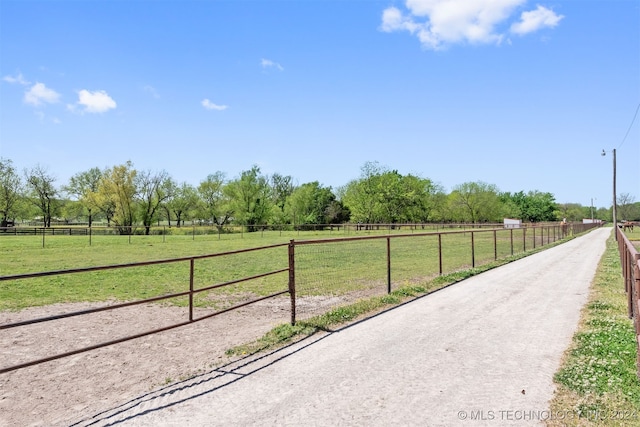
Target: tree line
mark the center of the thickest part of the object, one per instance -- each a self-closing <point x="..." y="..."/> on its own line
<point x="124" y="197"/>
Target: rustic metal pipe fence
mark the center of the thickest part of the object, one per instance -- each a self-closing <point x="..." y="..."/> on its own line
<point x="502" y="240"/>
<point x="630" y="263"/>
<point x="188" y="293"/>
<point x="165" y="232"/>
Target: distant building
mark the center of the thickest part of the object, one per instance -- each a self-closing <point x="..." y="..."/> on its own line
<point x="592" y="221"/>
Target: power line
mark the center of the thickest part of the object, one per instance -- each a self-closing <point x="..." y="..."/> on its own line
<point x="630" y="126"/>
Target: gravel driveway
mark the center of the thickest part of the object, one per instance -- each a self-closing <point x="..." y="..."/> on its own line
<point x="480" y="352"/>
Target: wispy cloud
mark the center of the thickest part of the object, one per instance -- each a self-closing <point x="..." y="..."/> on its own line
<point x="152" y="91"/>
<point x="97" y="101"/>
<point x="39" y="94"/>
<point x="19" y="79"/>
<point x="44" y="119"/>
<point x="267" y="63"/>
<point x="441" y="23"/>
<point x="211" y="106"/>
<point x="536" y="19"/>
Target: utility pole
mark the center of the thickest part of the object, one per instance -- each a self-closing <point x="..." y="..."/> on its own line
<point x="615" y="216"/>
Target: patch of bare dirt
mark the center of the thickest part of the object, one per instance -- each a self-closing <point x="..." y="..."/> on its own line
<point x="63" y="391"/>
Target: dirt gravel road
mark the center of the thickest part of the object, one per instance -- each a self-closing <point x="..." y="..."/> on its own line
<point x="481" y="352"/>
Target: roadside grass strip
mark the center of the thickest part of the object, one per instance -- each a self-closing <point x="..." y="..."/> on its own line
<point x="597" y="383"/>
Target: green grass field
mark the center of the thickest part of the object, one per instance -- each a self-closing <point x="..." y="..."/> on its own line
<point x="331" y="268"/>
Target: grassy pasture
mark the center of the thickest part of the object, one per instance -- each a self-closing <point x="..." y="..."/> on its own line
<point x="321" y="269"/>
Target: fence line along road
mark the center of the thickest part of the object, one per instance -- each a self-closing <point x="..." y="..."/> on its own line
<point x="481" y="352"/>
<point x="315" y="280"/>
<point x="630" y="262"/>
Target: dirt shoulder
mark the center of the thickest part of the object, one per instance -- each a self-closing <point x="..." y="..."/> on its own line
<point x="56" y="392"/>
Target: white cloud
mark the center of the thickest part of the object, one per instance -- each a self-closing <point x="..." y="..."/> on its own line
<point x="19" y="79"/>
<point x="440" y="23"/>
<point x="211" y="106"/>
<point x="267" y="63"/>
<point x="98" y="101"/>
<point x="536" y="19"/>
<point x="40" y="94"/>
<point x="393" y="20"/>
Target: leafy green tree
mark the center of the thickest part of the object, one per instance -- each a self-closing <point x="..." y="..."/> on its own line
<point x="421" y="197"/>
<point x="440" y="210"/>
<point x="626" y="208"/>
<point x="117" y="192"/>
<point x="70" y="211"/>
<point x="214" y="204"/>
<point x="152" y="190"/>
<point x="10" y="191"/>
<point x="541" y="207"/>
<point x="571" y="211"/>
<point x="360" y="196"/>
<point x="336" y="213"/>
<point x="605" y="214"/>
<point x="104" y="203"/>
<point x="387" y="196"/>
<point x="309" y="203"/>
<point x="42" y="192"/>
<point x="475" y="202"/>
<point x="250" y="198"/>
<point x="634" y="212"/>
<point x="281" y="188"/>
<point x="405" y="198"/>
<point x="183" y="199"/>
<point x="392" y="199"/>
<point x="81" y="185"/>
<point x="533" y="206"/>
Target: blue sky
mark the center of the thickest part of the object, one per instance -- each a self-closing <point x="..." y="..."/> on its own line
<point x="519" y="94"/>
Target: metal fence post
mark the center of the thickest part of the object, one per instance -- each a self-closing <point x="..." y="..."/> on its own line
<point x="473" y="251"/>
<point x="627" y="272"/>
<point x="440" y="252"/>
<point x="292" y="281"/>
<point x="511" y="241"/>
<point x="191" y="270"/>
<point x="388" y="265"/>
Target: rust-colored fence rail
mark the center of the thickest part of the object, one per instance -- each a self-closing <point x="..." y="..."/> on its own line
<point x="194" y="231"/>
<point x="190" y="293"/>
<point x="379" y="263"/>
<point x="630" y="262"/>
